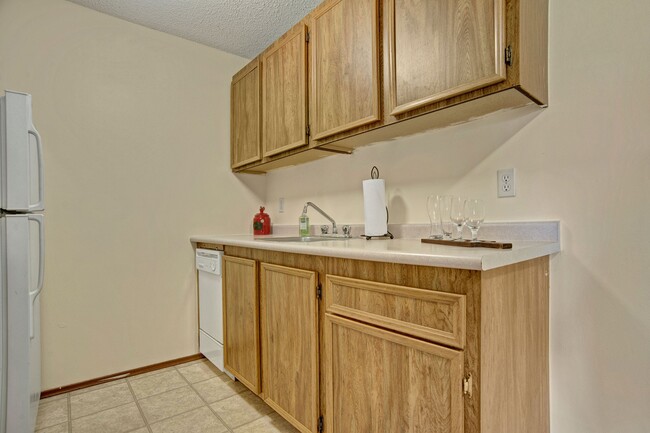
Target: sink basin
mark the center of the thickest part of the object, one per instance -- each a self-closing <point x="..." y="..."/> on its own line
<point x="304" y="239"/>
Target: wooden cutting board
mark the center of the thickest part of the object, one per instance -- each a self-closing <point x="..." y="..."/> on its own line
<point x="469" y="244"/>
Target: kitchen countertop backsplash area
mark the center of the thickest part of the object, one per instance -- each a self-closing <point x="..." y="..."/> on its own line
<point x="529" y="240"/>
<point x="496" y="231"/>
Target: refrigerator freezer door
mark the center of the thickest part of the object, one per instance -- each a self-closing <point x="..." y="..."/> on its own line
<point x="23" y="273"/>
<point x="21" y="155"/>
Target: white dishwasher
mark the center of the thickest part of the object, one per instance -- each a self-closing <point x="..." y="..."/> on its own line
<point x="208" y="263"/>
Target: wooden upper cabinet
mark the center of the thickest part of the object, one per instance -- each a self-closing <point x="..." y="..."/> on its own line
<point x="345" y="70"/>
<point x="443" y="48"/>
<point x="284" y="93"/>
<point x="245" y="116"/>
<point x="357" y="72"/>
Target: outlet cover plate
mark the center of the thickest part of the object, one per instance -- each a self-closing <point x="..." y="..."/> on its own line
<point x="506" y="183"/>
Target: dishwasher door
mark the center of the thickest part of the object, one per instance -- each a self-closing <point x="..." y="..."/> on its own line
<point x="208" y="263"/>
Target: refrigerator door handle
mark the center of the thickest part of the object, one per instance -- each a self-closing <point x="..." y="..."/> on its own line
<point x="41" y="180"/>
<point x="41" y="270"/>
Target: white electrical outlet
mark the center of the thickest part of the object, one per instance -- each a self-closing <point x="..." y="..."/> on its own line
<point x="506" y="183"/>
<point x="281" y="205"/>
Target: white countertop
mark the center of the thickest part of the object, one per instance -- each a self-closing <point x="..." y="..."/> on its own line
<point x="406" y="251"/>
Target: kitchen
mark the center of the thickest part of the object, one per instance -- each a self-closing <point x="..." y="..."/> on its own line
<point x="136" y="130"/>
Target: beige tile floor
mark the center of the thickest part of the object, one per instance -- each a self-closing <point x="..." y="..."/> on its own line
<point x="189" y="398"/>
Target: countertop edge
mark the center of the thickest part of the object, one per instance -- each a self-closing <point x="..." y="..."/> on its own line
<point x="453" y="257"/>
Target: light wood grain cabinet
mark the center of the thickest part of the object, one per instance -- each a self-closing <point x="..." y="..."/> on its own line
<point x="391" y="348"/>
<point x="241" y="321"/>
<point x="345" y="68"/>
<point x="381" y="381"/>
<point x="284" y="93"/>
<point x="374" y="70"/>
<point x="380" y="375"/>
<point x="245" y="112"/>
<point x="290" y="365"/>
<point x="439" y="49"/>
<point x="435" y="316"/>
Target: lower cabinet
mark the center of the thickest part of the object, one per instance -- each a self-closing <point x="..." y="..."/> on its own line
<point x="241" y="321"/>
<point x="289" y="326"/>
<point x="404" y="348"/>
<point x="381" y="381"/>
<point x="380" y="373"/>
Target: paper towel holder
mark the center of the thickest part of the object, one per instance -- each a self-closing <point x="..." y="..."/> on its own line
<point x="374" y="174"/>
<point x="387" y="235"/>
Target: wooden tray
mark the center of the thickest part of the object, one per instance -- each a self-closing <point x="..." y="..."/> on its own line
<point x="469" y="244"/>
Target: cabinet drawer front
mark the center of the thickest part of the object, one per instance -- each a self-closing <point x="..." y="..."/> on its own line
<point x="379" y="381"/>
<point x="434" y="316"/>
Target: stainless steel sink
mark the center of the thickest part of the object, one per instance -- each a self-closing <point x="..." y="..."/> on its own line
<point x="304" y="239"/>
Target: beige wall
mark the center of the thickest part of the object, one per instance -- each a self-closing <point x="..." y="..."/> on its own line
<point x="139" y="119"/>
<point x="585" y="161"/>
<point x="136" y="130"/>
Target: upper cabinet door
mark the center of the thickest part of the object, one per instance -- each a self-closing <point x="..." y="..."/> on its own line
<point x="345" y="71"/>
<point x="245" y="116"/>
<point x="443" y="48"/>
<point x="284" y="93"/>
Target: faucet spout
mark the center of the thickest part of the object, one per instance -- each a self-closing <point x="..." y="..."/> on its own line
<point x="320" y="211"/>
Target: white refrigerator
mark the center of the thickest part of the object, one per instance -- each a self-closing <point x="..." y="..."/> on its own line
<point x="21" y="263"/>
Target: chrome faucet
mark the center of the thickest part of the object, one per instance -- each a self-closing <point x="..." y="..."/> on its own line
<point x="320" y="211"/>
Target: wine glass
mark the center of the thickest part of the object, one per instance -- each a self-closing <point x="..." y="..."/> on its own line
<point x="474" y="216"/>
<point x="444" y="202"/>
<point x="457" y="215"/>
<point x="435" y="217"/>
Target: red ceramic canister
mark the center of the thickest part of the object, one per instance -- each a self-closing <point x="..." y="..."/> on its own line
<point x="262" y="223"/>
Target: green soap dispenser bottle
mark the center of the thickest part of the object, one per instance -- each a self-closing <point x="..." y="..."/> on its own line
<point x="303" y="224"/>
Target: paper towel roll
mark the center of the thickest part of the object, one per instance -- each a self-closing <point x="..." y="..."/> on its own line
<point x="374" y="207"/>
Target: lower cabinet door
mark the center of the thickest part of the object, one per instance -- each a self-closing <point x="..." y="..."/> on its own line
<point x="382" y="382"/>
<point x="241" y="321"/>
<point x="289" y="308"/>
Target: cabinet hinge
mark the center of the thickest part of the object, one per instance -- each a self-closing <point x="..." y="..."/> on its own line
<point x="319" y="292"/>
<point x="320" y="424"/>
<point x="509" y="55"/>
<point x="307" y="36"/>
<point x="467" y="385"/>
<point x="308" y="130"/>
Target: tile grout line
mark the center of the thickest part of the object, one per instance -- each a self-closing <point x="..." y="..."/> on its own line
<point x="97" y="411"/>
<point x="102" y="411"/>
<point x="172" y="416"/>
<point x="68" y="398"/>
<point x="204" y="401"/>
<point x="144" y="418"/>
<point x="157" y="393"/>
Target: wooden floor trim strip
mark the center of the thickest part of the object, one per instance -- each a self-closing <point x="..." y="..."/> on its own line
<point x="112" y="377"/>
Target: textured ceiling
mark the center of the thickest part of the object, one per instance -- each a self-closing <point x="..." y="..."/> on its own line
<point x="242" y="27"/>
